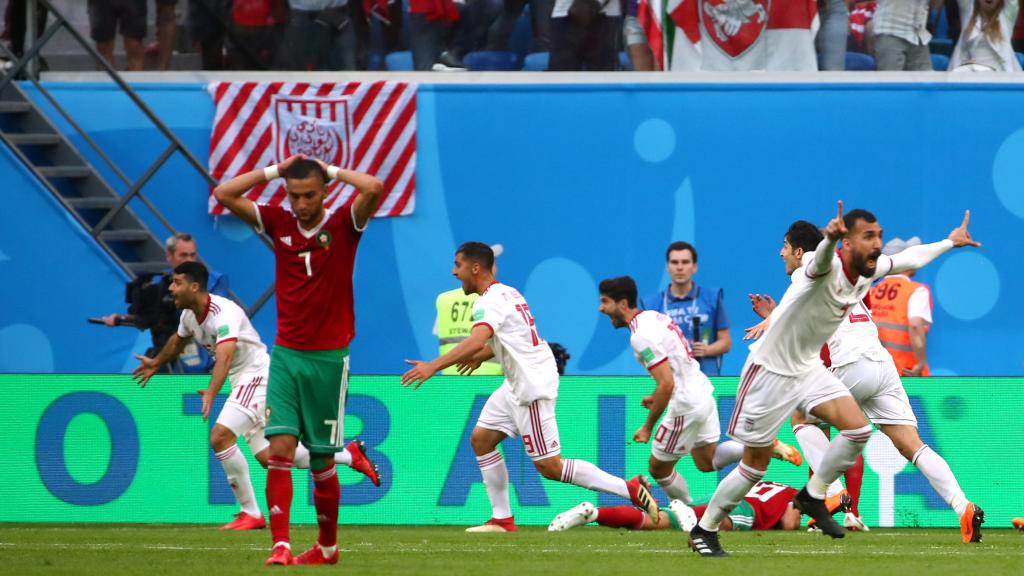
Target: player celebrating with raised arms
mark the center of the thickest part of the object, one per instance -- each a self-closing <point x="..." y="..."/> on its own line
<point x="784" y="371"/>
<point x="315" y="252"/>
<point x="524" y="405"/>
<point x="221" y="326"/>
<point x="682" y="393"/>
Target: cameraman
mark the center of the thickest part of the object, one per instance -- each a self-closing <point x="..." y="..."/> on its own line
<point x="151" y="305"/>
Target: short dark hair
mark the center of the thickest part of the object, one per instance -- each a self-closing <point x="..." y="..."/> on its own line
<point x="680" y="245"/>
<point x="302" y="167"/>
<point x="477" y="252"/>
<point x="195" y="272"/>
<point x="851" y="217"/>
<point x="805" y="235"/>
<point x="619" y="288"/>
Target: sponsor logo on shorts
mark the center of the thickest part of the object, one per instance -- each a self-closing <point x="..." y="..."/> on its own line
<point x="748" y="425"/>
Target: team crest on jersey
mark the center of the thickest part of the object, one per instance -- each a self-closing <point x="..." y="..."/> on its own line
<point x="734" y="26"/>
<point x="317" y="127"/>
<point x="323" y="239"/>
<point x="267" y="415"/>
<point x="478" y="315"/>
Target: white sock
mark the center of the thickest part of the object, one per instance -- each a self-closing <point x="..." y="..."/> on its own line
<point x="328" y="551"/>
<point x="729" y="493"/>
<point x="728" y="452"/>
<point x="495" y="473"/>
<point x="301" y="459"/>
<point x="842" y="453"/>
<point x="937" y="471"/>
<point x="813" y="443"/>
<point x="344" y="457"/>
<point x="236" y="467"/>
<point x="676" y="487"/>
<point x="585" y="475"/>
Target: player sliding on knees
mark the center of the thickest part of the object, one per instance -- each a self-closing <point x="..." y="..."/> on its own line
<point x="866" y="368"/>
<point x="221" y="326"/>
<point x="682" y="393"/>
<point x="524" y="405"/>
<point x="768" y="506"/>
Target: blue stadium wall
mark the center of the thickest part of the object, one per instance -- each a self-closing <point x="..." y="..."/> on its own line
<point x="579" y="183"/>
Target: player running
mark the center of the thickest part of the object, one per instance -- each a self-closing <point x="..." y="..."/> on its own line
<point x="768" y="506"/>
<point x="524" y="405"/>
<point x="221" y="326"/>
<point x="682" y="393"/>
<point x="784" y="371"/>
<point x="315" y="251"/>
<point x="868" y="370"/>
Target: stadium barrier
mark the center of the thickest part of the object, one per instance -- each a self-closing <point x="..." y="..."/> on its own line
<point x="96" y="448"/>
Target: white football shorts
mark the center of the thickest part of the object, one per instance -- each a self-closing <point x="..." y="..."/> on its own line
<point x="534" y="422"/>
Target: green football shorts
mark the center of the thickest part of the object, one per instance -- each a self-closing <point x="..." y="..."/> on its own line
<point x="306" y="397"/>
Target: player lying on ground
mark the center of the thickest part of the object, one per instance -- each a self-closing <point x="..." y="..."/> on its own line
<point x="524" y="404"/>
<point x="683" y="394"/>
<point x="221" y="326"/>
<point x="768" y="506"/>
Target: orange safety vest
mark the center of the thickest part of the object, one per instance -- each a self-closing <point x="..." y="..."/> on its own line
<point x="889" y="308"/>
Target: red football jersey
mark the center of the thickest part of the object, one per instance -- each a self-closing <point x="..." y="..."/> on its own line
<point x="315" y="306"/>
<point x="769" y="501"/>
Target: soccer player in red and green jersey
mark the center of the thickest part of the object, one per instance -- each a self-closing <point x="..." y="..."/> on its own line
<point x="315" y="251"/>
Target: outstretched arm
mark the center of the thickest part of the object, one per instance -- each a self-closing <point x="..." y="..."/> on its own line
<point x="148" y="366"/>
<point x="825" y="252"/>
<point x="464" y="351"/>
<point x="918" y="256"/>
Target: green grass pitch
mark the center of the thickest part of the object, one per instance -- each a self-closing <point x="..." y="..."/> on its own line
<point x="113" y="550"/>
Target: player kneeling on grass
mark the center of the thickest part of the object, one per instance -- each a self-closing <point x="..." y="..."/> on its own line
<point x="683" y="394"/>
<point x="221" y="326"/>
<point x="768" y="506"/>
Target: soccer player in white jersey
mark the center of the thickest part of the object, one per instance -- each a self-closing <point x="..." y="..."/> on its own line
<point x="682" y="393"/>
<point x="221" y="326"/>
<point x="524" y="405"/>
<point x="858" y="359"/>
<point x="784" y="371"/>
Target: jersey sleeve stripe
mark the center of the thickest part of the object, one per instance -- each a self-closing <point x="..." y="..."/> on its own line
<point x="232" y="339"/>
<point x="484" y="324"/>
<point x="658" y="363"/>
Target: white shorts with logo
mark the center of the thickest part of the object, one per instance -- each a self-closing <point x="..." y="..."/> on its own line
<point x="534" y="422"/>
<point x="676" y="436"/>
<point x="765" y="400"/>
<point x="244" y="411"/>
<point x="877" y="387"/>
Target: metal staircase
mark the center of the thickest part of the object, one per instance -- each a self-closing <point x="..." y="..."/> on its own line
<point x="70" y="177"/>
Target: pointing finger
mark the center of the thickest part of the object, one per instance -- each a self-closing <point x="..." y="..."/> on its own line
<point x="840" y="214"/>
<point x="967" y="218"/>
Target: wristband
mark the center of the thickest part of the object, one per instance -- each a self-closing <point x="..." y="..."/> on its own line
<point x="332" y="172"/>
<point x="271" y="172"/>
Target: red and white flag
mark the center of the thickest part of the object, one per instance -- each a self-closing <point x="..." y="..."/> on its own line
<point x="364" y="126"/>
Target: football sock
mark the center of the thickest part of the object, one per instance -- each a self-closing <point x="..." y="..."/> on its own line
<point x="495" y="474"/>
<point x="729" y="493"/>
<point x="585" y="475"/>
<point x="854" y="478"/>
<point x="279" y="497"/>
<point x="937" y="471"/>
<point x="814" y="444"/>
<point x="621" y="517"/>
<point x="236" y="468"/>
<point x="727" y="453"/>
<point x="842" y="453"/>
<point x="344" y="457"/>
<point x="326" y="496"/>
<point x="301" y="459"/>
<point x="676" y="487"/>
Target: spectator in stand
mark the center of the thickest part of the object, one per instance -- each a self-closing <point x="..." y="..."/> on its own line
<point x="500" y="33"/>
<point x="862" y="35"/>
<point x="15" y="24"/>
<point x="585" y="35"/>
<point x="429" y="24"/>
<point x="166" y="32"/>
<point x="902" y="310"/>
<point x="107" y="17"/>
<point x="831" y="39"/>
<point x="256" y="26"/>
<point x="637" y="46"/>
<point x="320" y="35"/>
<point x="389" y="14"/>
<point x="985" y="43"/>
<point x="207" y="27"/>
<point x="1018" y="33"/>
<point x="469" y="33"/>
<point x="901" y="34"/>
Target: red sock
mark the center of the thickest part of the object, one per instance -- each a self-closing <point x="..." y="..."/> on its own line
<point x="699" y="510"/>
<point x="854" y="478"/>
<point x="279" y="497"/>
<point x="621" y="517"/>
<point x="326" y="497"/>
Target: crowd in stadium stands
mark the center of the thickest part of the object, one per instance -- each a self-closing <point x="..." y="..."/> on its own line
<point x="562" y="35"/>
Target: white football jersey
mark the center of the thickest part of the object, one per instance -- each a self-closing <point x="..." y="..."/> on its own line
<point x="223" y="321"/>
<point x="856" y="338"/>
<point x="809" y="314"/>
<point x="525" y="357"/>
<point x="656" y="339"/>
